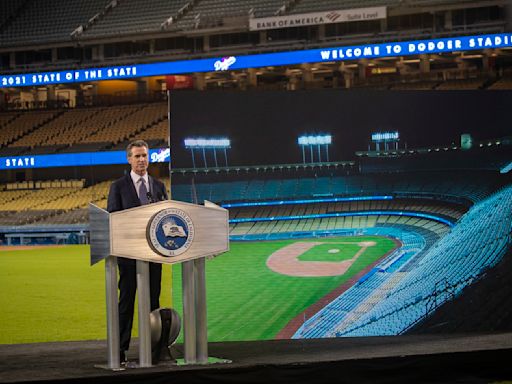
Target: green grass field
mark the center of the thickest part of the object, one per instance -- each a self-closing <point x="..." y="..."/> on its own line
<point x="54" y="295"/>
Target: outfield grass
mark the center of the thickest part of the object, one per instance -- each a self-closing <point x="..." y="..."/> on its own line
<point x="248" y="301"/>
<point x="54" y="295"/>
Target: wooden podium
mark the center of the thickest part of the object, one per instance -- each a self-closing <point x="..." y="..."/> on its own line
<point x="166" y="232"/>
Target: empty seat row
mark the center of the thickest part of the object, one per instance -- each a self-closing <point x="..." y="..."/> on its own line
<point x="476" y="243"/>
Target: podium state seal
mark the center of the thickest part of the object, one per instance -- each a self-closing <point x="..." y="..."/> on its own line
<point x="170" y="232"/>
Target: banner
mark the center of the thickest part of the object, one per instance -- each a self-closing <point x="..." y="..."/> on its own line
<point x="326" y="17"/>
<point x="340" y="53"/>
<point x="159" y="155"/>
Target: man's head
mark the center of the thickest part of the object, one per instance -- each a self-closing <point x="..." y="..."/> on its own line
<point x="137" y="154"/>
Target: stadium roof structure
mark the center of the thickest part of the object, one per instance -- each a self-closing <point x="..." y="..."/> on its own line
<point x="201" y="38"/>
<point x="33" y="23"/>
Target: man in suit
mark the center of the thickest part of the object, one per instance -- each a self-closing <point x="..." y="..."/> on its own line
<point x="132" y="190"/>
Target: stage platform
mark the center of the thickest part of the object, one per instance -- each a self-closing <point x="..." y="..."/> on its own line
<point x="477" y="358"/>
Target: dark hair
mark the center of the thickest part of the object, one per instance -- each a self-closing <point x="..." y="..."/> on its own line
<point x="135" y="143"/>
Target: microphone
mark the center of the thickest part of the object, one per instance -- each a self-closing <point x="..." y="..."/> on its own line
<point x="150" y="197"/>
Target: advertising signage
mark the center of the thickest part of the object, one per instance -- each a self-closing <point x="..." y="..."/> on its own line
<point x="159" y="155"/>
<point x="316" y="18"/>
<point x="354" y="52"/>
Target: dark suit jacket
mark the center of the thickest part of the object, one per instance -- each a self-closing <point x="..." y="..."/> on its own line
<point x="122" y="195"/>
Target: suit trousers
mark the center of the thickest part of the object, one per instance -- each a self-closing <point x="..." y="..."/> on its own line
<point x="127" y="289"/>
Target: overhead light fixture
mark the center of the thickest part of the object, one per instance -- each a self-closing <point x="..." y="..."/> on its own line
<point x="315" y="140"/>
<point x="207" y="143"/>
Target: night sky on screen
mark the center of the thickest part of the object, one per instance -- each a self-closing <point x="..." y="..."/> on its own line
<point x="263" y="126"/>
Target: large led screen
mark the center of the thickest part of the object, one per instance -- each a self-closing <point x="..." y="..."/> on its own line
<point x="392" y="214"/>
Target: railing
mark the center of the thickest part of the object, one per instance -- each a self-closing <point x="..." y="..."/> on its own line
<point x="432" y="303"/>
<point x="264" y="168"/>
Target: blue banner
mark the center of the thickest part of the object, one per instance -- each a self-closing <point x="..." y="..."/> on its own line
<point x="354" y="52"/>
<point x="159" y="155"/>
<point x="306" y="201"/>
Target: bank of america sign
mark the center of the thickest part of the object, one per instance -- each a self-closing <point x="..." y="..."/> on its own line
<point x="327" y="17"/>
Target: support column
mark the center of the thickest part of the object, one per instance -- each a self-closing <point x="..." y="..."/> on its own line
<point x="50" y="96"/>
<point x="98" y="52"/>
<point x="38" y="97"/>
<point x="345" y="74"/>
<point x="321" y="32"/>
<point x="508" y="16"/>
<point x="293" y="82"/>
<point x="189" y="313"/>
<point x="144" y="311"/>
<point x="348" y="79"/>
<point x="200" y="304"/>
<point x="485" y="62"/>
<point x="199" y="81"/>
<point x="12" y="60"/>
<point x="55" y="56"/>
<point x="383" y="25"/>
<point x="50" y="92"/>
<point x="448" y="21"/>
<point x="307" y="75"/>
<point x="424" y="64"/>
<point x="488" y="62"/>
<point x="112" y="301"/>
<point x="206" y="43"/>
<point x="92" y="94"/>
<point x="361" y="68"/>
<point x="263" y="37"/>
<point x="252" y="77"/>
<point x="241" y="80"/>
<point x="462" y="66"/>
<point x="336" y="75"/>
<point x="2" y="100"/>
<point x="142" y="87"/>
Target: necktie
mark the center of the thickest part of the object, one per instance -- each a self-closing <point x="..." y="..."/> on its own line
<point x="143" y="192"/>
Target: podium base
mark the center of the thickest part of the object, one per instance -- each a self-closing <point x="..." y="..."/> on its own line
<point x="135" y="365"/>
<point x="211" y="360"/>
<point x="106" y="367"/>
<point x="177" y="362"/>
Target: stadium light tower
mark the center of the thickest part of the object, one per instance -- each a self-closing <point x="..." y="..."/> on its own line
<point x="386" y="138"/>
<point x="315" y="141"/>
<point x="205" y="145"/>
